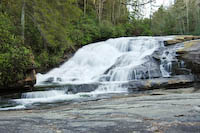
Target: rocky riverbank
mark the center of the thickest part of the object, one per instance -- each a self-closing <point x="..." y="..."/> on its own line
<point x="156" y="111"/>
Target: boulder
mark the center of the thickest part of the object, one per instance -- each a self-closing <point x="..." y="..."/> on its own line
<point x="49" y="80"/>
<point x="157" y="54"/>
<point x="29" y="81"/>
<point x="190" y="54"/>
<point x="150" y="68"/>
<point x="147" y="70"/>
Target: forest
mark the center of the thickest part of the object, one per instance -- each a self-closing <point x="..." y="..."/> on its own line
<point x="48" y="31"/>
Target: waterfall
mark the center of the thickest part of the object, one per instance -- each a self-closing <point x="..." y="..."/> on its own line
<point x="112" y="60"/>
<point x="103" y="67"/>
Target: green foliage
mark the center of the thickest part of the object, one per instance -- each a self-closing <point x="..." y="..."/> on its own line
<point x="106" y="29"/>
<point x="120" y="30"/>
<point x="159" y="23"/>
<point x="85" y="31"/>
<point x="139" y="27"/>
<point x="6" y="28"/>
<point x="181" y="18"/>
<point x="14" y="59"/>
<point x="14" y="64"/>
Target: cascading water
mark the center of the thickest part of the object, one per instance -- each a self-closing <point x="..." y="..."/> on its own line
<point x="109" y="63"/>
<point x="166" y="63"/>
<point x="168" y="58"/>
<point x="114" y="59"/>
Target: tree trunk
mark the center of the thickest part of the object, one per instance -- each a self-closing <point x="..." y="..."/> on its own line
<point x="113" y="12"/>
<point x="119" y="10"/>
<point x="23" y="20"/>
<point x="85" y="7"/>
<point x="183" y="28"/>
<point x="187" y="13"/>
<point x="99" y="10"/>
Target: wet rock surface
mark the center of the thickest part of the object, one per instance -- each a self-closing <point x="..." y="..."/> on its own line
<point x="161" y="111"/>
<point x="71" y="88"/>
<point x="172" y="82"/>
<point x="133" y="86"/>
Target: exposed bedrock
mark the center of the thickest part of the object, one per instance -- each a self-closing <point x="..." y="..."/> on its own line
<point x="191" y="55"/>
<point x="174" y="82"/>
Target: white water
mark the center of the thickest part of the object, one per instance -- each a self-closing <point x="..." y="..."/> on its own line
<point x="90" y="62"/>
<point x="168" y="56"/>
<point x="113" y="60"/>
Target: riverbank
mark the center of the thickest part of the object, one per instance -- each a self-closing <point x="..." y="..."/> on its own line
<point x="157" y="111"/>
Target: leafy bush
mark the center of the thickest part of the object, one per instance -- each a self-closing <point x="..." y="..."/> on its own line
<point x="107" y="29"/>
<point x="14" y="64"/>
<point x="14" y="59"/>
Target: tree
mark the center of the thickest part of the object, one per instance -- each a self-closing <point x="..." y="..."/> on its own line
<point x="23" y="19"/>
<point x="181" y="18"/>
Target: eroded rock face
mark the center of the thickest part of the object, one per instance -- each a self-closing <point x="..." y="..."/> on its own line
<point x="190" y="54"/>
<point x="29" y="81"/>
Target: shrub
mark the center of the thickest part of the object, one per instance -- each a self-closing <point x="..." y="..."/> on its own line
<point x="14" y="58"/>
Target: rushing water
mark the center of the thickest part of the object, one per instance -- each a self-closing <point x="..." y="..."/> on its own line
<point x="109" y="63"/>
<point x="90" y="63"/>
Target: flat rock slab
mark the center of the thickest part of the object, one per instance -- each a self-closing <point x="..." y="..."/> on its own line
<point x="180" y="38"/>
<point x="156" y="83"/>
<point x="168" y="112"/>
